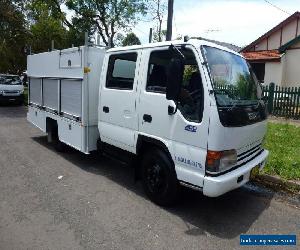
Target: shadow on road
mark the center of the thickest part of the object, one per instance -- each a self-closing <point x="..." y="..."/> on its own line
<point x="12" y="111"/>
<point x="227" y="216"/>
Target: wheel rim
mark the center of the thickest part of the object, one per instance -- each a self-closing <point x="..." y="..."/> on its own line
<point x="156" y="178"/>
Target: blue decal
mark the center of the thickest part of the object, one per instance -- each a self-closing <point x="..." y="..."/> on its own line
<point x="191" y="128"/>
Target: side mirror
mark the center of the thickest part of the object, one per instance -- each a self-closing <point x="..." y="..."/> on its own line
<point x="174" y="79"/>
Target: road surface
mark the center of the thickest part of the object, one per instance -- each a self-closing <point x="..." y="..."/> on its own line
<point x="50" y="200"/>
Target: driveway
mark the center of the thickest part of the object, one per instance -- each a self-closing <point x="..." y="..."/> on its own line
<point x="51" y="200"/>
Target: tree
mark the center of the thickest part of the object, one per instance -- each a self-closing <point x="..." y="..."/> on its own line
<point x="46" y="27"/>
<point x="131" y="39"/>
<point x="157" y="10"/>
<point x="107" y="17"/>
<point x="159" y="37"/>
<point x="13" y="37"/>
<point x="48" y="23"/>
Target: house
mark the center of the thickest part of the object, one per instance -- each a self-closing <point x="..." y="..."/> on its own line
<point x="275" y="56"/>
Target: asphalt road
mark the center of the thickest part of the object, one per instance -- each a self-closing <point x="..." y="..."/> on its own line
<point x="97" y="205"/>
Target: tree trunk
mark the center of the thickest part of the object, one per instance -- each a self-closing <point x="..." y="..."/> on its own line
<point x="159" y="31"/>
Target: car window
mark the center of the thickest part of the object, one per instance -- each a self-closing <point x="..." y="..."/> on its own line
<point x="191" y="95"/>
<point x="121" y="71"/>
<point x="10" y="80"/>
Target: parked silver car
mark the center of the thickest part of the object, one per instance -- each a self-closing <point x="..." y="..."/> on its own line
<point x="11" y="89"/>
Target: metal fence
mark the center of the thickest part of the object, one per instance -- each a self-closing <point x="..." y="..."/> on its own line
<point x="283" y="101"/>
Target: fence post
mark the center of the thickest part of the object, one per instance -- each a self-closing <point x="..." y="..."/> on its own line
<point x="271" y="97"/>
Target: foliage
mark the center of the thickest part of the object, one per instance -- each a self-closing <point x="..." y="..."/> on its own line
<point x="47" y="27"/>
<point x="34" y="24"/>
<point x="13" y="36"/>
<point x="107" y="17"/>
<point x="188" y="71"/>
<point x="283" y="142"/>
<point x="159" y="36"/>
<point x="131" y="39"/>
<point x="246" y="87"/>
<point x="48" y="23"/>
<point x="25" y="95"/>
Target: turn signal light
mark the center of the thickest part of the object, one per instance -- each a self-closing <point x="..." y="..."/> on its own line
<point x="219" y="161"/>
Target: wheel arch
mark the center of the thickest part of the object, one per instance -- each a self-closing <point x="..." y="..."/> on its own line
<point x="145" y="142"/>
<point x="50" y="124"/>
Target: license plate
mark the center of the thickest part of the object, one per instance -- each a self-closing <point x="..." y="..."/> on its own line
<point x="254" y="172"/>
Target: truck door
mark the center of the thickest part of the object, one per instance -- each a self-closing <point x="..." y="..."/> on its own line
<point x="186" y="131"/>
<point x="118" y="121"/>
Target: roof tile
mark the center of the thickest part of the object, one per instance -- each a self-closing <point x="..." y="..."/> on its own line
<point x="264" y="55"/>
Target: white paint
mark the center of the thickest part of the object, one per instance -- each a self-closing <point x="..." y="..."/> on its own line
<point x="274" y="72"/>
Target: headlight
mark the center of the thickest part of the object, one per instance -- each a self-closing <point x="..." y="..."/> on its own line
<point x="219" y="161"/>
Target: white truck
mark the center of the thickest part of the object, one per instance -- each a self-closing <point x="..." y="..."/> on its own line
<point x="184" y="112"/>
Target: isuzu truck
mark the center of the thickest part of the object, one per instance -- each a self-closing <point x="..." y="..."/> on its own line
<point x="185" y="113"/>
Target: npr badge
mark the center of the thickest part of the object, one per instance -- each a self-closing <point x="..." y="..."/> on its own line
<point x="190" y="128"/>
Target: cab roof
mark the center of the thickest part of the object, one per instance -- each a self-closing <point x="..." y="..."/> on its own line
<point x="194" y="42"/>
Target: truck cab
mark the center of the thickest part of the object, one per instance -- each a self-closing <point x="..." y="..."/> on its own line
<point x="193" y="110"/>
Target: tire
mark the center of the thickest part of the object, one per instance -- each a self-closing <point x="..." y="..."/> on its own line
<point x="159" y="178"/>
<point x="20" y="102"/>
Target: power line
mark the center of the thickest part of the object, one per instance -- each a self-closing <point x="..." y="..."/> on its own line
<point x="275" y="6"/>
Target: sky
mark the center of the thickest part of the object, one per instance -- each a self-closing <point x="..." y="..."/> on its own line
<point x="237" y="22"/>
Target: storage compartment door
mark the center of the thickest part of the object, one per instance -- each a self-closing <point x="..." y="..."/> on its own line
<point x="70" y="59"/>
<point x="71" y="97"/>
<point x="35" y="91"/>
<point x="50" y="93"/>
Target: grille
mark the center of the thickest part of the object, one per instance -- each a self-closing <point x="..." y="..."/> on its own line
<point x="249" y="153"/>
<point x="11" y="91"/>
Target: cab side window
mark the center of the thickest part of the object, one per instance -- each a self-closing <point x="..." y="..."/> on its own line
<point x="121" y="71"/>
<point x="191" y="96"/>
<point x="157" y="71"/>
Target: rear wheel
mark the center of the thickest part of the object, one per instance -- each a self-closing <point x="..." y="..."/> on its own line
<point x="159" y="178"/>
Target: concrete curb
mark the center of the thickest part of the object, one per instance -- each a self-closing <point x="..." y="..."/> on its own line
<point x="277" y="183"/>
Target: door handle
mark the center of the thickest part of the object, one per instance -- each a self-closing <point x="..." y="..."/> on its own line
<point x="147" y="118"/>
<point x="105" y="109"/>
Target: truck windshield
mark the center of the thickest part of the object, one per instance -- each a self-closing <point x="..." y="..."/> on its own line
<point x="10" y="80"/>
<point x="233" y="81"/>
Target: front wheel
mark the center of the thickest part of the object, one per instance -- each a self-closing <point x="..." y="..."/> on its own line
<point x="159" y="178"/>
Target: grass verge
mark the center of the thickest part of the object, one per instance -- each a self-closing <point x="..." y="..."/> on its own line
<point x="283" y="142"/>
<point x="25" y="95"/>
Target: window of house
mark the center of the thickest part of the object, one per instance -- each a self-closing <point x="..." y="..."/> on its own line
<point x="191" y="95"/>
<point x="121" y="71"/>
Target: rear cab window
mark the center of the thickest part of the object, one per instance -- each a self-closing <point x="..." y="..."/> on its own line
<point x="121" y="71"/>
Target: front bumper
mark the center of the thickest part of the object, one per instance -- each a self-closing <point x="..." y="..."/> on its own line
<point x="216" y="186"/>
<point x="11" y="98"/>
